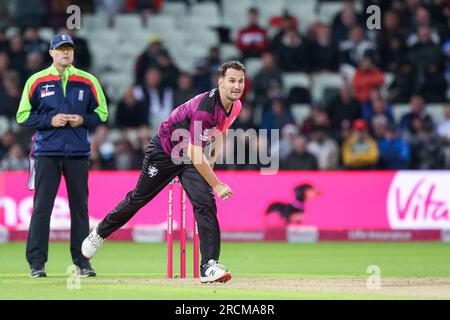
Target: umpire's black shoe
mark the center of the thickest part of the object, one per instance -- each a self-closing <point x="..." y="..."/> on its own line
<point x="86" y="272"/>
<point x="38" y="272"/>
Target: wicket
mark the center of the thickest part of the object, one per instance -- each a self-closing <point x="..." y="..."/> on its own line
<point x="183" y="236"/>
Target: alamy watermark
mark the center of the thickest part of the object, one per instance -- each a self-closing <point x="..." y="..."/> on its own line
<point x="374" y="20"/>
<point x="74" y="279"/>
<point x="74" y="20"/>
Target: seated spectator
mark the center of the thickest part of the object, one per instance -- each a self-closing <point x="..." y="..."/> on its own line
<point x="34" y="43"/>
<point x="410" y="122"/>
<point x="125" y="158"/>
<point x="6" y="141"/>
<point x="344" y="21"/>
<point x="378" y="125"/>
<point x="377" y="105"/>
<point x="393" y="150"/>
<point x="202" y="76"/>
<point x="9" y="94"/>
<point x="185" y="89"/>
<point x="352" y="51"/>
<point x="82" y="54"/>
<point x="360" y="150"/>
<point x="390" y="43"/>
<point x="427" y="152"/>
<point x="267" y="82"/>
<point x="284" y="147"/>
<point x="213" y="58"/>
<point x="277" y="116"/>
<point x="15" y="160"/>
<point x="324" y="148"/>
<point x="130" y="113"/>
<point x="404" y="84"/>
<point x="169" y="72"/>
<point x="148" y="58"/>
<point x="299" y="158"/>
<point x="343" y="109"/>
<point x="292" y="53"/>
<point x="102" y="149"/>
<point x="434" y="88"/>
<point x="422" y="19"/>
<point x="366" y="79"/>
<point x="157" y="99"/>
<point x="443" y="131"/>
<point x="425" y="51"/>
<point x="245" y="119"/>
<point x="17" y="55"/>
<point x="285" y="23"/>
<point x="317" y="117"/>
<point x="34" y="64"/>
<point x="252" y="40"/>
<point x="323" y="50"/>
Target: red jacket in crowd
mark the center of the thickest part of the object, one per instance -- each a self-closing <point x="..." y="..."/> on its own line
<point x="253" y="38"/>
<point x="364" y="81"/>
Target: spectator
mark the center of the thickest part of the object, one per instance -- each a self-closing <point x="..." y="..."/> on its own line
<point x="288" y="134"/>
<point x="267" y="82"/>
<point x="323" y="50"/>
<point x="4" y="42"/>
<point x="404" y="84"/>
<point x="9" y="94"/>
<point x="34" y="43"/>
<point x="410" y="123"/>
<point x="202" y="76"/>
<point x="277" y="116"/>
<point x="366" y="79"/>
<point x="169" y="72"/>
<point x="83" y="57"/>
<point x="184" y="91"/>
<point x="360" y="150"/>
<point x="443" y="131"/>
<point x="17" y="54"/>
<point x="57" y="13"/>
<point x="422" y="19"/>
<point x="292" y="52"/>
<point x="426" y="148"/>
<point x="157" y="99"/>
<point x="425" y="51"/>
<point x="446" y="52"/>
<point x="6" y="141"/>
<point x="252" y="40"/>
<point x="317" y="117"/>
<point x="15" y="160"/>
<point x="130" y="111"/>
<point x="394" y="151"/>
<point x="377" y="105"/>
<point x="299" y="158"/>
<point x="407" y="10"/>
<point x="35" y="62"/>
<point x="148" y="58"/>
<point x="379" y="124"/>
<point x="213" y="59"/>
<point x="434" y="88"/>
<point x="344" y="21"/>
<point x="324" y="148"/>
<point x="343" y="110"/>
<point x="125" y="157"/>
<point x="102" y="149"/>
<point x="26" y="13"/>
<point x="245" y="119"/>
<point x="354" y="49"/>
<point x="286" y="22"/>
<point x="390" y="42"/>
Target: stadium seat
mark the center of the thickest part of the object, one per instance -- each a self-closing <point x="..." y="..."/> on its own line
<point x="229" y="51"/>
<point x="4" y="124"/>
<point x="161" y="23"/>
<point x="127" y="23"/>
<point x="327" y="11"/>
<point x="323" y="80"/>
<point x="176" y="9"/>
<point x="295" y="79"/>
<point x="268" y="9"/>
<point x="46" y="34"/>
<point x="304" y="11"/>
<point x="206" y="11"/>
<point x="90" y="22"/>
<point x="235" y="16"/>
<point x="300" y="112"/>
<point x="252" y="66"/>
<point x="436" y="111"/>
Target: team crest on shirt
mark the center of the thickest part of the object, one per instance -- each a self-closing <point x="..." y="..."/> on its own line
<point x="45" y="92"/>
<point x="152" y="171"/>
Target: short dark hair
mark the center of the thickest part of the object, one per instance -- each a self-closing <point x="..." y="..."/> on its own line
<point x="234" y="64"/>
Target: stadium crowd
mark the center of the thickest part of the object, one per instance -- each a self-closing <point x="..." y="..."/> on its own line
<point x="351" y="128"/>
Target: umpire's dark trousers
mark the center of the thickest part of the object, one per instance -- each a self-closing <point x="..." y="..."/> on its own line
<point x="48" y="177"/>
<point x="151" y="182"/>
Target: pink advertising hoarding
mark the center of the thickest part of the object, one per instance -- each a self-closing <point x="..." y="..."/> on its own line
<point x="346" y="200"/>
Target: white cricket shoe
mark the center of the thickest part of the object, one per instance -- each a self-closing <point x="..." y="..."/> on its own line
<point x="214" y="272"/>
<point x="91" y="244"/>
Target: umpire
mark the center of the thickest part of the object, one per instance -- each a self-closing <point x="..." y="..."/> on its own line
<point x="62" y="103"/>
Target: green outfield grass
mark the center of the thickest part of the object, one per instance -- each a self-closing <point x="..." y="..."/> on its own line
<point x="131" y="271"/>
